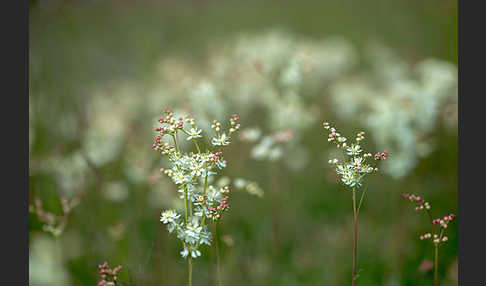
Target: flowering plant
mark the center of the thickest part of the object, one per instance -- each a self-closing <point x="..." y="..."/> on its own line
<point x="54" y="224"/>
<point x="192" y="172"/>
<point x="352" y="171"/>
<point x="439" y="226"/>
<point x="108" y="276"/>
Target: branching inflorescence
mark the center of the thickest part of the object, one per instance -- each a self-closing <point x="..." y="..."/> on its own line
<point x="108" y="276"/>
<point x="439" y="225"/>
<point x="352" y="171"/>
<point x="54" y="224"/>
<point x="192" y="172"/>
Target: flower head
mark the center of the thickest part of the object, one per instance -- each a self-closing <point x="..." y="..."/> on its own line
<point x="108" y="275"/>
<point x="442" y="223"/>
<point x="221" y="140"/>
<point x="169" y="216"/>
<point x="353" y="170"/>
<point x="194" y="133"/>
<point x="353" y="149"/>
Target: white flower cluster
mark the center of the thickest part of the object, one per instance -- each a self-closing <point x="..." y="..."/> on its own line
<point x="353" y="169"/>
<point x="192" y="173"/>
<point x="192" y="234"/>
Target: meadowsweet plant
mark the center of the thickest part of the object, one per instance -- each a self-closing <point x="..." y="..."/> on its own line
<point x="108" y="276"/>
<point x="353" y="169"/>
<point x="54" y="224"/>
<point x="192" y="172"/>
<point x="439" y="225"/>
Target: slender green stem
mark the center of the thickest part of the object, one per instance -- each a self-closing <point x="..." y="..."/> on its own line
<point x="190" y="271"/>
<point x="187" y="217"/>
<point x="355" y="236"/>
<point x="436" y="265"/>
<point x="175" y="141"/>
<point x="361" y="200"/>
<point x="216" y="243"/>
<point x="203" y="220"/>
<point x="190" y="211"/>
<point x="206" y="179"/>
<point x="363" y="194"/>
<point x="440" y="234"/>
<point x="193" y="140"/>
<point x="185" y="203"/>
<point x="197" y="147"/>
<point x="431" y="219"/>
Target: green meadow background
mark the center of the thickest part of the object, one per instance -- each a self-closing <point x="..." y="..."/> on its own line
<point x="300" y="231"/>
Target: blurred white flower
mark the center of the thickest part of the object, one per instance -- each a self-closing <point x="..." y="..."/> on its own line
<point x="116" y="191"/>
<point x="398" y="103"/>
<point x="45" y="262"/>
<point x="70" y="172"/>
<point x="250" y="134"/>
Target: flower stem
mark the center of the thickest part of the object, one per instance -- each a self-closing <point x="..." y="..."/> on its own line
<point x="175" y="142"/>
<point x="203" y="220"/>
<point x="355" y="236"/>
<point x="190" y="212"/>
<point x="190" y="258"/>
<point x="185" y="203"/>
<point x="197" y="147"/>
<point x="361" y="200"/>
<point x="216" y="243"/>
<point x="436" y="265"/>
<point x="363" y="194"/>
<point x="431" y="220"/>
<point x="190" y="271"/>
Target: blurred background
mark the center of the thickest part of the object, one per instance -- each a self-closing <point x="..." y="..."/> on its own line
<point x="102" y="71"/>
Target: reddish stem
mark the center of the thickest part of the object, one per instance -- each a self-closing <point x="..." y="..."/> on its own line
<point x="355" y="237"/>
